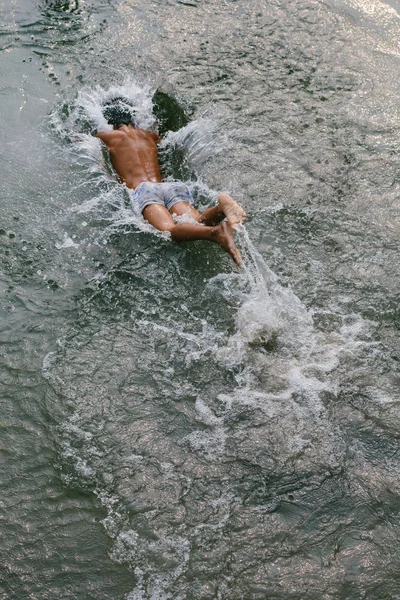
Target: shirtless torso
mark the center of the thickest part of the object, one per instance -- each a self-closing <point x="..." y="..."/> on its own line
<point x="134" y="154"/>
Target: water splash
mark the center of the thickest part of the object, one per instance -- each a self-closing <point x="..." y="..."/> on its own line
<point x="272" y="415"/>
<point x="190" y="147"/>
<point x="251" y="394"/>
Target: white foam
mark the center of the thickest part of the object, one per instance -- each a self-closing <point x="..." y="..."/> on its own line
<point x="67" y="242"/>
<point x="48" y="361"/>
<point x="275" y="340"/>
<point x="90" y="101"/>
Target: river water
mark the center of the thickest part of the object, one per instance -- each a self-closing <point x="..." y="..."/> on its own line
<point x="173" y="427"/>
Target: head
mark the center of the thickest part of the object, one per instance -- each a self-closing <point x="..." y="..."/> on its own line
<point x="119" y="111"/>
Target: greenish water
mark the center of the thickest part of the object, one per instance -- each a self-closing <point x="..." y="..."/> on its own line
<point x="171" y="427"/>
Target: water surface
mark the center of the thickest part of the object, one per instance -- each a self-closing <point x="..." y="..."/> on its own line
<point x="173" y="427"/>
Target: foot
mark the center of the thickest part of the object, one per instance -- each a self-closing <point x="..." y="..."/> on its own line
<point x="233" y="212"/>
<point x="223" y="237"/>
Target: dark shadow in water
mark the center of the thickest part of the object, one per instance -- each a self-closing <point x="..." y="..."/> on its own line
<point x="170" y="116"/>
<point x="173" y="163"/>
<point x="66" y="6"/>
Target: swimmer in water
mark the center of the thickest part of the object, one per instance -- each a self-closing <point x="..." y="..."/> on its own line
<point x="134" y="156"/>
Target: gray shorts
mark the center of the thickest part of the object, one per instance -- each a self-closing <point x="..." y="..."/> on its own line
<point x="167" y="194"/>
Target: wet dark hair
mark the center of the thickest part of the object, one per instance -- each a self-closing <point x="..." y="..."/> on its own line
<point x="119" y="111"/>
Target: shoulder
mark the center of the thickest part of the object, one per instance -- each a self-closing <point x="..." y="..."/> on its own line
<point x="145" y="136"/>
<point x="154" y="136"/>
<point x="111" y="136"/>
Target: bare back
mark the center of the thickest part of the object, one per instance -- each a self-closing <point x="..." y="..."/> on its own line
<point x="133" y="153"/>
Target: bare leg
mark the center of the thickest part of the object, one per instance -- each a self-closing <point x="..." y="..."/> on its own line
<point x="231" y="209"/>
<point x="183" y="208"/>
<point x="158" y="216"/>
<point x="226" y="208"/>
<point x="211" y="216"/>
<point x="221" y="234"/>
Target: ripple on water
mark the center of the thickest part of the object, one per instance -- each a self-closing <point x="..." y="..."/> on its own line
<point x="240" y="436"/>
